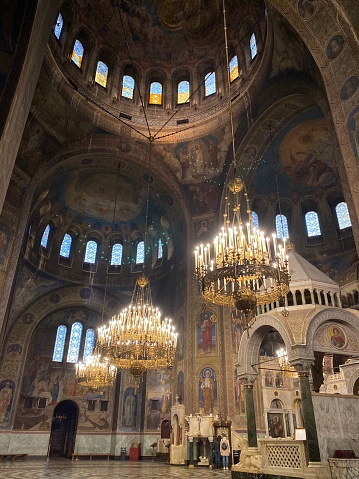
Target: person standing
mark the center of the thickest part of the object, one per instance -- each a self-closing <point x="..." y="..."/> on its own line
<point x="225" y="451"/>
<point x="217" y="452"/>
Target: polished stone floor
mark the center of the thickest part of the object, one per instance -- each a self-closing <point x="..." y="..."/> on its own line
<point x="101" y="469"/>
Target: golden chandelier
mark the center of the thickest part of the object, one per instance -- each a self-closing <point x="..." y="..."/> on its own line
<point x="96" y="372"/>
<point x="242" y="268"/>
<point x="137" y="339"/>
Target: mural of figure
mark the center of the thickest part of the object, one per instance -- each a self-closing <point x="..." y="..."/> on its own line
<point x="337" y="338"/>
<point x="276" y="426"/>
<point x="349" y="87"/>
<point x="180" y="387"/>
<point x="6" y="394"/>
<point x="268" y="380"/>
<point x="198" y="160"/>
<point x="184" y="162"/>
<point x="335" y="46"/>
<point x="237" y="328"/>
<point x="165" y="402"/>
<point x="205" y="332"/>
<point x="213" y="155"/>
<point x="306" y="8"/>
<point x="129" y="409"/>
<point x="240" y="396"/>
<point x="180" y="339"/>
<point x="4" y="240"/>
<point x="207" y="385"/>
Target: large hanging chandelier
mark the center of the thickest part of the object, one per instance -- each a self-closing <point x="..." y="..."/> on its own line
<point x="96" y="372"/>
<point x="137" y="339"/>
<point x="242" y="268"/>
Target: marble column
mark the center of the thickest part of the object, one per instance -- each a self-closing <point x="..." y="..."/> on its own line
<point x="191" y="463"/>
<point x="303" y="368"/>
<point x="250" y="412"/>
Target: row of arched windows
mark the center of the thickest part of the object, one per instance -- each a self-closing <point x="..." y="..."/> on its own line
<point x="91" y="250"/>
<point x="74" y="343"/>
<point x="311" y="220"/>
<point x="155" y="87"/>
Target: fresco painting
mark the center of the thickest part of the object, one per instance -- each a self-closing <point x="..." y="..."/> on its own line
<point x="206" y="333"/>
<point x="207" y="391"/>
<point x="7" y="388"/>
<point x="158" y="399"/>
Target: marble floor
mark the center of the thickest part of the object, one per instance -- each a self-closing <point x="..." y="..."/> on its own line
<point x="101" y="469"/>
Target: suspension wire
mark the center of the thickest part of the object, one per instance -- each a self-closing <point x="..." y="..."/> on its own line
<point x="110" y="236"/>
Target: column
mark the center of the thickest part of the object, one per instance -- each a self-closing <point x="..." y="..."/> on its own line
<point x="303" y="368"/>
<point x="191" y="464"/>
<point x="250" y="413"/>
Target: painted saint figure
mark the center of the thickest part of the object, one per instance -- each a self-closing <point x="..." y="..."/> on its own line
<point x="206" y="326"/>
<point x="129" y="409"/>
<point x="207" y="386"/>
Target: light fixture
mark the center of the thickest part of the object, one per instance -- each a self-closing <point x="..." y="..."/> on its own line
<point x="242" y="268"/>
<point x="282" y="358"/>
<point x="137" y="339"/>
<point x="96" y="372"/>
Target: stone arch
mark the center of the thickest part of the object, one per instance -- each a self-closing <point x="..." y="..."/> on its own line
<point x="249" y="348"/>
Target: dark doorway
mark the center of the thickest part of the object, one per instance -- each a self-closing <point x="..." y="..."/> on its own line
<point x="165" y="429"/>
<point x="63" y="429"/>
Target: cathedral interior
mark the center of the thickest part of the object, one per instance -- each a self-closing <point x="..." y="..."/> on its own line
<point x="121" y="124"/>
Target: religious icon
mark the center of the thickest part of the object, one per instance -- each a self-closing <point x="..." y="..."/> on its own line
<point x="337" y="336"/>
<point x="334" y="47"/>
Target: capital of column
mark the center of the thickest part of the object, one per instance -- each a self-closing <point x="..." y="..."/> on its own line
<point x="302" y="365"/>
<point x="248" y="379"/>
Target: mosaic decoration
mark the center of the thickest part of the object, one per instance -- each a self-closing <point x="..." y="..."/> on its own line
<point x="353" y="127"/>
<point x="14" y="350"/>
<point x="45" y="237"/>
<point x="129" y="408"/>
<point x="183" y="91"/>
<point x="59" y="344"/>
<point x="233" y="68"/>
<point x="116" y="254"/>
<point x="58" y="26"/>
<point x="91" y="251"/>
<point x="128" y="87"/>
<point x="343" y="217"/>
<point x="65" y="248"/>
<point x="89" y="343"/>
<point x="312" y="224"/>
<point x="210" y="84"/>
<point x="334" y="47"/>
<point x="206" y="333"/>
<point x="77" y="53"/>
<point x="74" y="344"/>
<point x="140" y="252"/>
<point x="349" y="87"/>
<point x="253" y="46"/>
<point x="101" y="74"/>
<point x="28" y="318"/>
<point x="307" y="8"/>
<point x="281" y="225"/>
<point x="155" y="93"/>
<point x="337" y="336"/>
<point x="207" y="390"/>
<point x="6" y="396"/>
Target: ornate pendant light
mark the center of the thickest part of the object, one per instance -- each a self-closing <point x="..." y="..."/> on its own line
<point x="96" y="372"/>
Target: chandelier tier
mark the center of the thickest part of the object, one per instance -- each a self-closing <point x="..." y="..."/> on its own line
<point x="96" y="372"/>
<point x="137" y="339"/>
<point x="242" y="268"/>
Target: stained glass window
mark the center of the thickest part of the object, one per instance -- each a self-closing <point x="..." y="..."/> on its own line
<point x="312" y="224"/>
<point x="255" y="219"/>
<point x="140" y="252"/>
<point x="233" y="68"/>
<point x="77" y="53"/>
<point x="183" y="92"/>
<point x="155" y="93"/>
<point x="101" y="74"/>
<point x="91" y="251"/>
<point x="116" y="254"/>
<point x="210" y="84"/>
<point x="343" y="215"/>
<point x="74" y="344"/>
<point x="59" y="344"/>
<point x="58" y="26"/>
<point x="66" y="246"/>
<point x="128" y="87"/>
<point x="253" y="45"/>
<point x="160" y="249"/>
<point x="281" y="225"/>
<point x="89" y="343"/>
<point x="45" y="236"/>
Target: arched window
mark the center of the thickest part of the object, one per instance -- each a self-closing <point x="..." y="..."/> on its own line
<point x="45" y="236"/>
<point x="65" y="248"/>
<point x="253" y="45"/>
<point x="312" y="224"/>
<point x="159" y="249"/>
<point x="343" y="217"/>
<point x="91" y="252"/>
<point x="58" y="353"/>
<point x="210" y="83"/>
<point x="74" y="344"/>
<point x="140" y="252"/>
<point x="233" y="68"/>
<point x="101" y="74"/>
<point x="281" y="225"/>
<point x="77" y="53"/>
<point x="183" y="92"/>
<point x="128" y="86"/>
<point x="276" y="404"/>
<point x="116" y="254"/>
<point x="155" y="93"/>
<point x="89" y="343"/>
<point x="58" y="26"/>
<point x="255" y="219"/>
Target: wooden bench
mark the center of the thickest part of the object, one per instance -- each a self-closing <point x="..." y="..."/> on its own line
<point x="13" y="456"/>
<point x="75" y="456"/>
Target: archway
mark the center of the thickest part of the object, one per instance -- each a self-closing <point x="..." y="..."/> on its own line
<point x="63" y="429"/>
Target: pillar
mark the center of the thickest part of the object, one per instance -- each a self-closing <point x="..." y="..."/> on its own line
<point x="250" y="412"/>
<point x="303" y="368"/>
